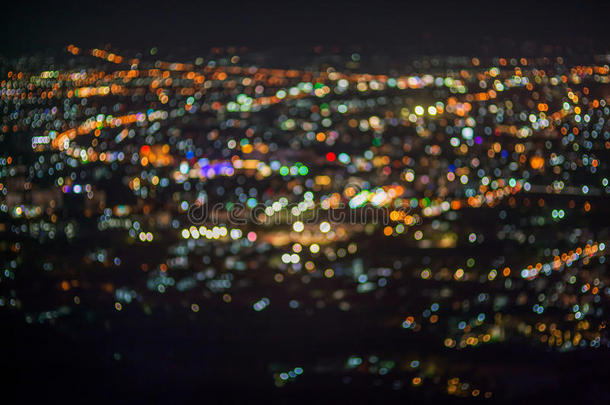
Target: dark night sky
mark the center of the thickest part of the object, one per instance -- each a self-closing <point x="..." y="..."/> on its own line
<point x="424" y="27"/>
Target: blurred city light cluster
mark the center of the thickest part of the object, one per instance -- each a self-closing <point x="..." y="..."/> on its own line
<point x="491" y="175"/>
